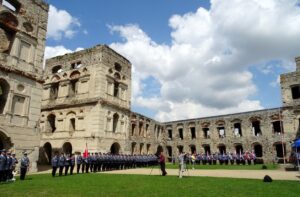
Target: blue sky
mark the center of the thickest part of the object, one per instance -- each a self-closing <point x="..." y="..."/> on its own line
<point x="191" y="58"/>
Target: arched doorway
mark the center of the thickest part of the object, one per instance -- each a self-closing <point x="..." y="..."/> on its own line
<point x="239" y="149"/>
<point x="67" y="148"/>
<point x="193" y="149"/>
<point x="222" y="148"/>
<point x="206" y="149"/>
<point x="258" y="151"/>
<point x="115" y="148"/>
<point x="47" y="152"/>
<point x="5" y="142"/>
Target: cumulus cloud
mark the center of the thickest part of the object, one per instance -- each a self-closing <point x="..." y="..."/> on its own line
<point x="61" y="24"/>
<point x="53" y="51"/>
<point x="205" y="71"/>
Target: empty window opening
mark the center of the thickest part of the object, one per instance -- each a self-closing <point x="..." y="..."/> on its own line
<point x="118" y="67"/>
<point x="237" y="130"/>
<point x="4" y="90"/>
<point x="141" y="148"/>
<point x="115" y="122"/>
<point x="170" y="133"/>
<point x="193" y="132"/>
<point x="278" y="127"/>
<point x="51" y="122"/>
<point x="18" y="105"/>
<point x="56" y="69"/>
<point x="12" y="5"/>
<point x="116" y="89"/>
<point x="132" y="129"/>
<point x="133" y="148"/>
<point x="76" y="65"/>
<point x="72" y="124"/>
<point x="140" y="128"/>
<point x="148" y="148"/>
<point x="147" y="128"/>
<point x="180" y="132"/>
<point x="73" y="88"/>
<point x="296" y="92"/>
<point x="256" y="128"/>
<point x="54" y="91"/>
<point x="258" y="150"/>
<point x="221" y="131"/>
<point x="206" y="133"/>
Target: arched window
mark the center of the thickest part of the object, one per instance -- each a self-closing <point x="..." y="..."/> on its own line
<point x="4" y="90"/>
<point x="118" y="67"/>
<point x="256" y="128"/>
<point x="115" y="122"/>
<point x="237" y="130"/>
<point x="51" y="122"/>
<point x="56" y="69"/>
<point x="54" y="91"/>
<point x="258" y="150"/>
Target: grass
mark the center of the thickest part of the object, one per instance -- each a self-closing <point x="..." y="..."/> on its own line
<point x="227" y="167"/>
<point x="110" y="185"/>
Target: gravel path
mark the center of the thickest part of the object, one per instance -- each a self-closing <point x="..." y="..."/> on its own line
<point x="247" y="174"/>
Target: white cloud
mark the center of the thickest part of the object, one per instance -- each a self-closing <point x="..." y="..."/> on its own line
<point x="61" y="24"/>
<point x="205" y="71"/>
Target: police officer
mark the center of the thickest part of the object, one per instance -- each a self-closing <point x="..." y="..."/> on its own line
<point x="8" y="167"/>
<point x="78" y="162"/>
<point x="2" y="165"/>
<point x="24" y="165"/>
<point x="67" y="164"/>
<point x="54" y="163"/>
<point x="72" y="163"/>
<point x="61" y="163"/>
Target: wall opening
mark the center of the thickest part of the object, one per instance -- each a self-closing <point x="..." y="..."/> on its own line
<point x="277" y="127"/>
<point x="193" y="132"/>
<point x="72" y="124"/>
<point x="133" y="147"/>
<point x="295" y="92"/>
<point x="115" y="148"/>
<point x="193" y="149"/>
<point x="221" y="131"/>
<point x="170" y="134"/>
<point x="239" y="149"/>
<point x="51" y="122"/>
<point x="132" y="129"/>
<point x="222" y="148"/>
<point x="4" y="90"/>
<point x="47" y="152"/>
<point x="57" y="69"/>
<point x="237" y="130"/>
<point x="116" y="89"/>
<point x="73" y="87"/>
<point x="256" y="128"/>
<point x="280" y="150"/>
<point x="67" y="148"/>
<point x="180" y="148"/>
<point x="118" y="67"/>
<point x="115" y="122"/>
<point x="180" y="133"/>
<point x="258" y="151"/>
<point x="206" y="149"/>
<point x="206" y="133"/>
<point x="12" y="5"/>
<point x="54" y="91"/>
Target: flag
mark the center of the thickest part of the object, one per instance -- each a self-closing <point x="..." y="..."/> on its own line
<point x="85" y="154"/>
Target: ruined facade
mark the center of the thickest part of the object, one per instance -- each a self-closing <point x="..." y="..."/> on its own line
<point x="86" y="101"/>
<point x="23" y="26"/>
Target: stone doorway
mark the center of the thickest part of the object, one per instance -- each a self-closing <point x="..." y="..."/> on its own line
<point x="67" y="148"/>
<point x="47" y="153"/>
<point x="115" y="148"/>
<point x="5" y="142"/>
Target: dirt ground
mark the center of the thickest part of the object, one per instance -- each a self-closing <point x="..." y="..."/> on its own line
<point x="247" y="174"/>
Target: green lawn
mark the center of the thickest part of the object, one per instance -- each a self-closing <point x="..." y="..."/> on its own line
<point x="226" y="167"/>
<point x="109" y="185"/>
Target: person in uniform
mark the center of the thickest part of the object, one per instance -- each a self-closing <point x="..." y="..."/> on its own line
<point x="79" y="161"/>
<point x="24" y="166"/>
<point x="72" y="163"/>
<point x="61" y="163"/>
<point x="8" y="167"/>
<point x="67" y="164"/>
<point x="54" y="163"/>
<point x="14" y="164"/>
<point x="2" y="165"/>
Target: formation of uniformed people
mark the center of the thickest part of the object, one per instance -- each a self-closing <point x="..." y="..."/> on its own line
<point x="97" y="162"/>
<point x="222" y="158"/>
<point x="8" y="162"/>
